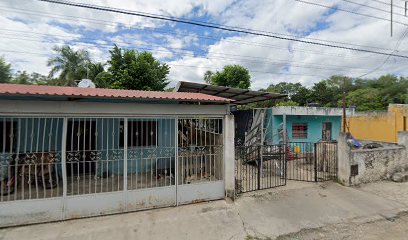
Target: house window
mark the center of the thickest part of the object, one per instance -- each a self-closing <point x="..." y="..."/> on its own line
<point x="299" y="130"/>
<point x="141" y="133"/>
<point x="7" y="136"/>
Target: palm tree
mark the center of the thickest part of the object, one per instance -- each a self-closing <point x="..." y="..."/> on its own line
<point x="97" y="73"/>
<point x="70" y="64"/>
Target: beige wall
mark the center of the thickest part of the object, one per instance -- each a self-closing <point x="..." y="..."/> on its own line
<point x="379" y="126"/>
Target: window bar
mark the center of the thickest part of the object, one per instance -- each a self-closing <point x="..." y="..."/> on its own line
<point x="17" y="153"/>
<point x="131" y="156"/>
<point x="102" y="141"/>
<point x="144" y="143"/>
<point x="97" y="149"/>
<point x="106" y="130"/>
<point x="90" y="157"/>
<point x="78" y="137"/>
<point x="150" y="146"/>
<point x="36" y="159"/>
<point x="24" y="157"/>
<point x="64" y="157"/>
<point x="42" y="163"/>
<point x="155" y="146"/>
<point x="51" y="157"/>
<point x="86" y="153"/>
<point x="125" y="157"/>
<point x="116" y="146"/>
<point x="137" y="160"/>
<point x="60" y="156"/>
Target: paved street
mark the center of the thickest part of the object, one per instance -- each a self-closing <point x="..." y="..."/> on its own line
<point x="297" y="211"/>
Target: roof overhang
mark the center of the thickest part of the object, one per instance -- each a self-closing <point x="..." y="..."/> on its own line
<point x="241" y="96"/>
<point x="58" y="93"/>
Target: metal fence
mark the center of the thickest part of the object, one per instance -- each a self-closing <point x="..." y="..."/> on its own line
<point x="259" y="167"/>
<point x="312" y="162"/>
<point x="269" y="166"/>
<point x="30" y="158"/>
<point x="125" y="162"/>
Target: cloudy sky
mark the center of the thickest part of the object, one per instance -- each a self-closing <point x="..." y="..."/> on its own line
<point x="30" y="28"/>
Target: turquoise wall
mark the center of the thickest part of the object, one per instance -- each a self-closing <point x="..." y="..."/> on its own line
<point x="45" y="134"/>
<point x="140" y="159"/>
<point x="314" y="123"/>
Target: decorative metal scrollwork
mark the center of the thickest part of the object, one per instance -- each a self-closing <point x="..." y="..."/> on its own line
<point x="95" y="155"/>
<point x="73" y="156"/>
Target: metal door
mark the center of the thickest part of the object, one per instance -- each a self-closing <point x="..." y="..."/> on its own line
<point x="200" y="159"/>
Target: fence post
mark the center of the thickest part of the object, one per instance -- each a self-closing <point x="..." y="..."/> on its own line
<point x="64" y="165"/>
<point x="315" y="160"/>
<point x="259" y="166"/>
<point x="125" y="161"/>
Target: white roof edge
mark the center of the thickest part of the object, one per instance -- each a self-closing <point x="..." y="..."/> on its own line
<point x="310" y="111"/>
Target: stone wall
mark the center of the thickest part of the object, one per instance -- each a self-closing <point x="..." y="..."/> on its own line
<point x="371" y="165"/>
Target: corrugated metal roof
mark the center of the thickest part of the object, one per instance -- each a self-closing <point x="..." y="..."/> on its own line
<point x="238" y="95"/>
<point x="76" y="92"/>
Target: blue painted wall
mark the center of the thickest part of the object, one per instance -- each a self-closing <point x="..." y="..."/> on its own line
<point x="140" y="159"/>
<point x="315" y="127"/>
<point x="45" y="135"/>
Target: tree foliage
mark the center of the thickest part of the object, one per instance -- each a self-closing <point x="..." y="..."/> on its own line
<point x="69" y="65"/>
<point x="5" y="71"/>
<point x="33" y="78"/>
<point x="295" y="91"/>
<point x="365" y="99"/>
<point x="231" y="76"/>
<point x="287" y="103"/>
<point x="130" y="69"/>
<point x="364" y="94"/>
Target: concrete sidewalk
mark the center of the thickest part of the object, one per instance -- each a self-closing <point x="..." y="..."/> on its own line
<point x="262" y="215"/>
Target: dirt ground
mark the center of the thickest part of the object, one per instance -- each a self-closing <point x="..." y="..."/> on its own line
<point x="385" y="228"/>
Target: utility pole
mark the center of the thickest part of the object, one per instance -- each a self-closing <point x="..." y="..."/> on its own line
<point x="392" y="2"/>
<point x="344" y="105"/>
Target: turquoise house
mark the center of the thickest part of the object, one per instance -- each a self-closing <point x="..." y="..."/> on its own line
<point x="302" y="124"/>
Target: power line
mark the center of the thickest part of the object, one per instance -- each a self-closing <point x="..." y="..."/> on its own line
<point x="387" y="58"/>
<point x="98" y="21"/>
<point x="219" y="56"/>
<point x="389" y="4"/>
<point x="371" y="7"/>
<point x="178" y="65"/>
<point x="241" y="42"/>
<point x="67" y="38"/>
<point x="345" y="10"/>
<point x="219" y="27"/>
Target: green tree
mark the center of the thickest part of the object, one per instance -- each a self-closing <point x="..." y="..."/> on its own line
<point x="287" y="103"/>
<point x="295" y="91"/>
<point x="364" y="99"/>
<point x="207" y="77"/>
<point x="5" y="71"/>
<point x="33" y="78"/>
<point x="71" y="65"/>
<point x="231" y="76"/>
<point x="324" y="95"/>
<point x="130" y="69"/>
<point x="97" y="73"/>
